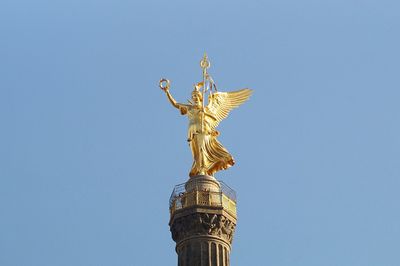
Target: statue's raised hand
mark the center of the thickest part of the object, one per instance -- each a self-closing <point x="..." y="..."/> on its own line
<point x="164" y="84"/>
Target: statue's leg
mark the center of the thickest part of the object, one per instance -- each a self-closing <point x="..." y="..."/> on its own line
<point x="196" y="153"/>
<point x="197" y="145"/>
<point x="203" y="160"/>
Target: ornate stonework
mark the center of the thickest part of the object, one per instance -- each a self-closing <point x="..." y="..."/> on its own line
<point x="203" y="224"/>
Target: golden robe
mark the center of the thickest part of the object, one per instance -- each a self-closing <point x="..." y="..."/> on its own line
<point x="209" y="156"/>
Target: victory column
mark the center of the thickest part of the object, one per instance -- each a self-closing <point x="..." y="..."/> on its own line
<point x="203" y="210"/>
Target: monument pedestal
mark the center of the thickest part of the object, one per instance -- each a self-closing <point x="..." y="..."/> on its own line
<point x="203" y="221"/>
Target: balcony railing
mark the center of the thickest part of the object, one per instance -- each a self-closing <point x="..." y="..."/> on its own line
<point x="181" y="199"/>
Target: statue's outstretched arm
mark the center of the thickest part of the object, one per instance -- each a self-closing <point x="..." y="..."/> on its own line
<point x="182" y="107"/>
<point x="171" y="99"/>
<point x="164" y="85"/>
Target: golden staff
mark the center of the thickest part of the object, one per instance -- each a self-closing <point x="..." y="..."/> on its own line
<point x="204" y="64"/>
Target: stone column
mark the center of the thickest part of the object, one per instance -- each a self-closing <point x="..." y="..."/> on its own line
<point x="204" y="224"/>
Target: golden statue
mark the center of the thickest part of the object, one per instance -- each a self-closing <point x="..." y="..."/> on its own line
<point x="209" y="156"/>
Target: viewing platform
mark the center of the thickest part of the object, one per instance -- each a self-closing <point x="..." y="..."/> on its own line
<point x="221" y="196"/>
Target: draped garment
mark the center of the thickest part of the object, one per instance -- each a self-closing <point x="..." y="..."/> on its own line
<point x="209" y="156"/>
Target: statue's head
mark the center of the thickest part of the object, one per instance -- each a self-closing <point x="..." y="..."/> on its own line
<point x="197" y="96"/>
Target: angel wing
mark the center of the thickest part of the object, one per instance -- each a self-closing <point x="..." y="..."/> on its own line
<point x="221" y="103"/>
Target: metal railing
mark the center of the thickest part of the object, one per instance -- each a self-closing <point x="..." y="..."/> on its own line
<point x="181" y="199"/>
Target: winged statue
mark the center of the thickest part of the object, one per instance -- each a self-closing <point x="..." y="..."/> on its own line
<point x="209" y="156"/>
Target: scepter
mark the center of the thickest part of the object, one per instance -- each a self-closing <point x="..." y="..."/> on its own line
<point x="204" y="64"/>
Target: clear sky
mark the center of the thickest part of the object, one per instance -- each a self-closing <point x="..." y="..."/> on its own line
<point x="90" y="149"/>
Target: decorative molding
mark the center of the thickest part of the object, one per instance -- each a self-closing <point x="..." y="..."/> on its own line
<point x="203" y="224"/>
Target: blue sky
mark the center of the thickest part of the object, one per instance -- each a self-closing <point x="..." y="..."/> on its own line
<point x="90" y="149"/>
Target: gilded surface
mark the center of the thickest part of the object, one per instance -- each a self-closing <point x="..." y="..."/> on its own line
<point x="209" y="156"/>
<point x="203" y="198"/>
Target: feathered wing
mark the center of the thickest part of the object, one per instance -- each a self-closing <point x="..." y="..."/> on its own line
<point x="221" y="103"/>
